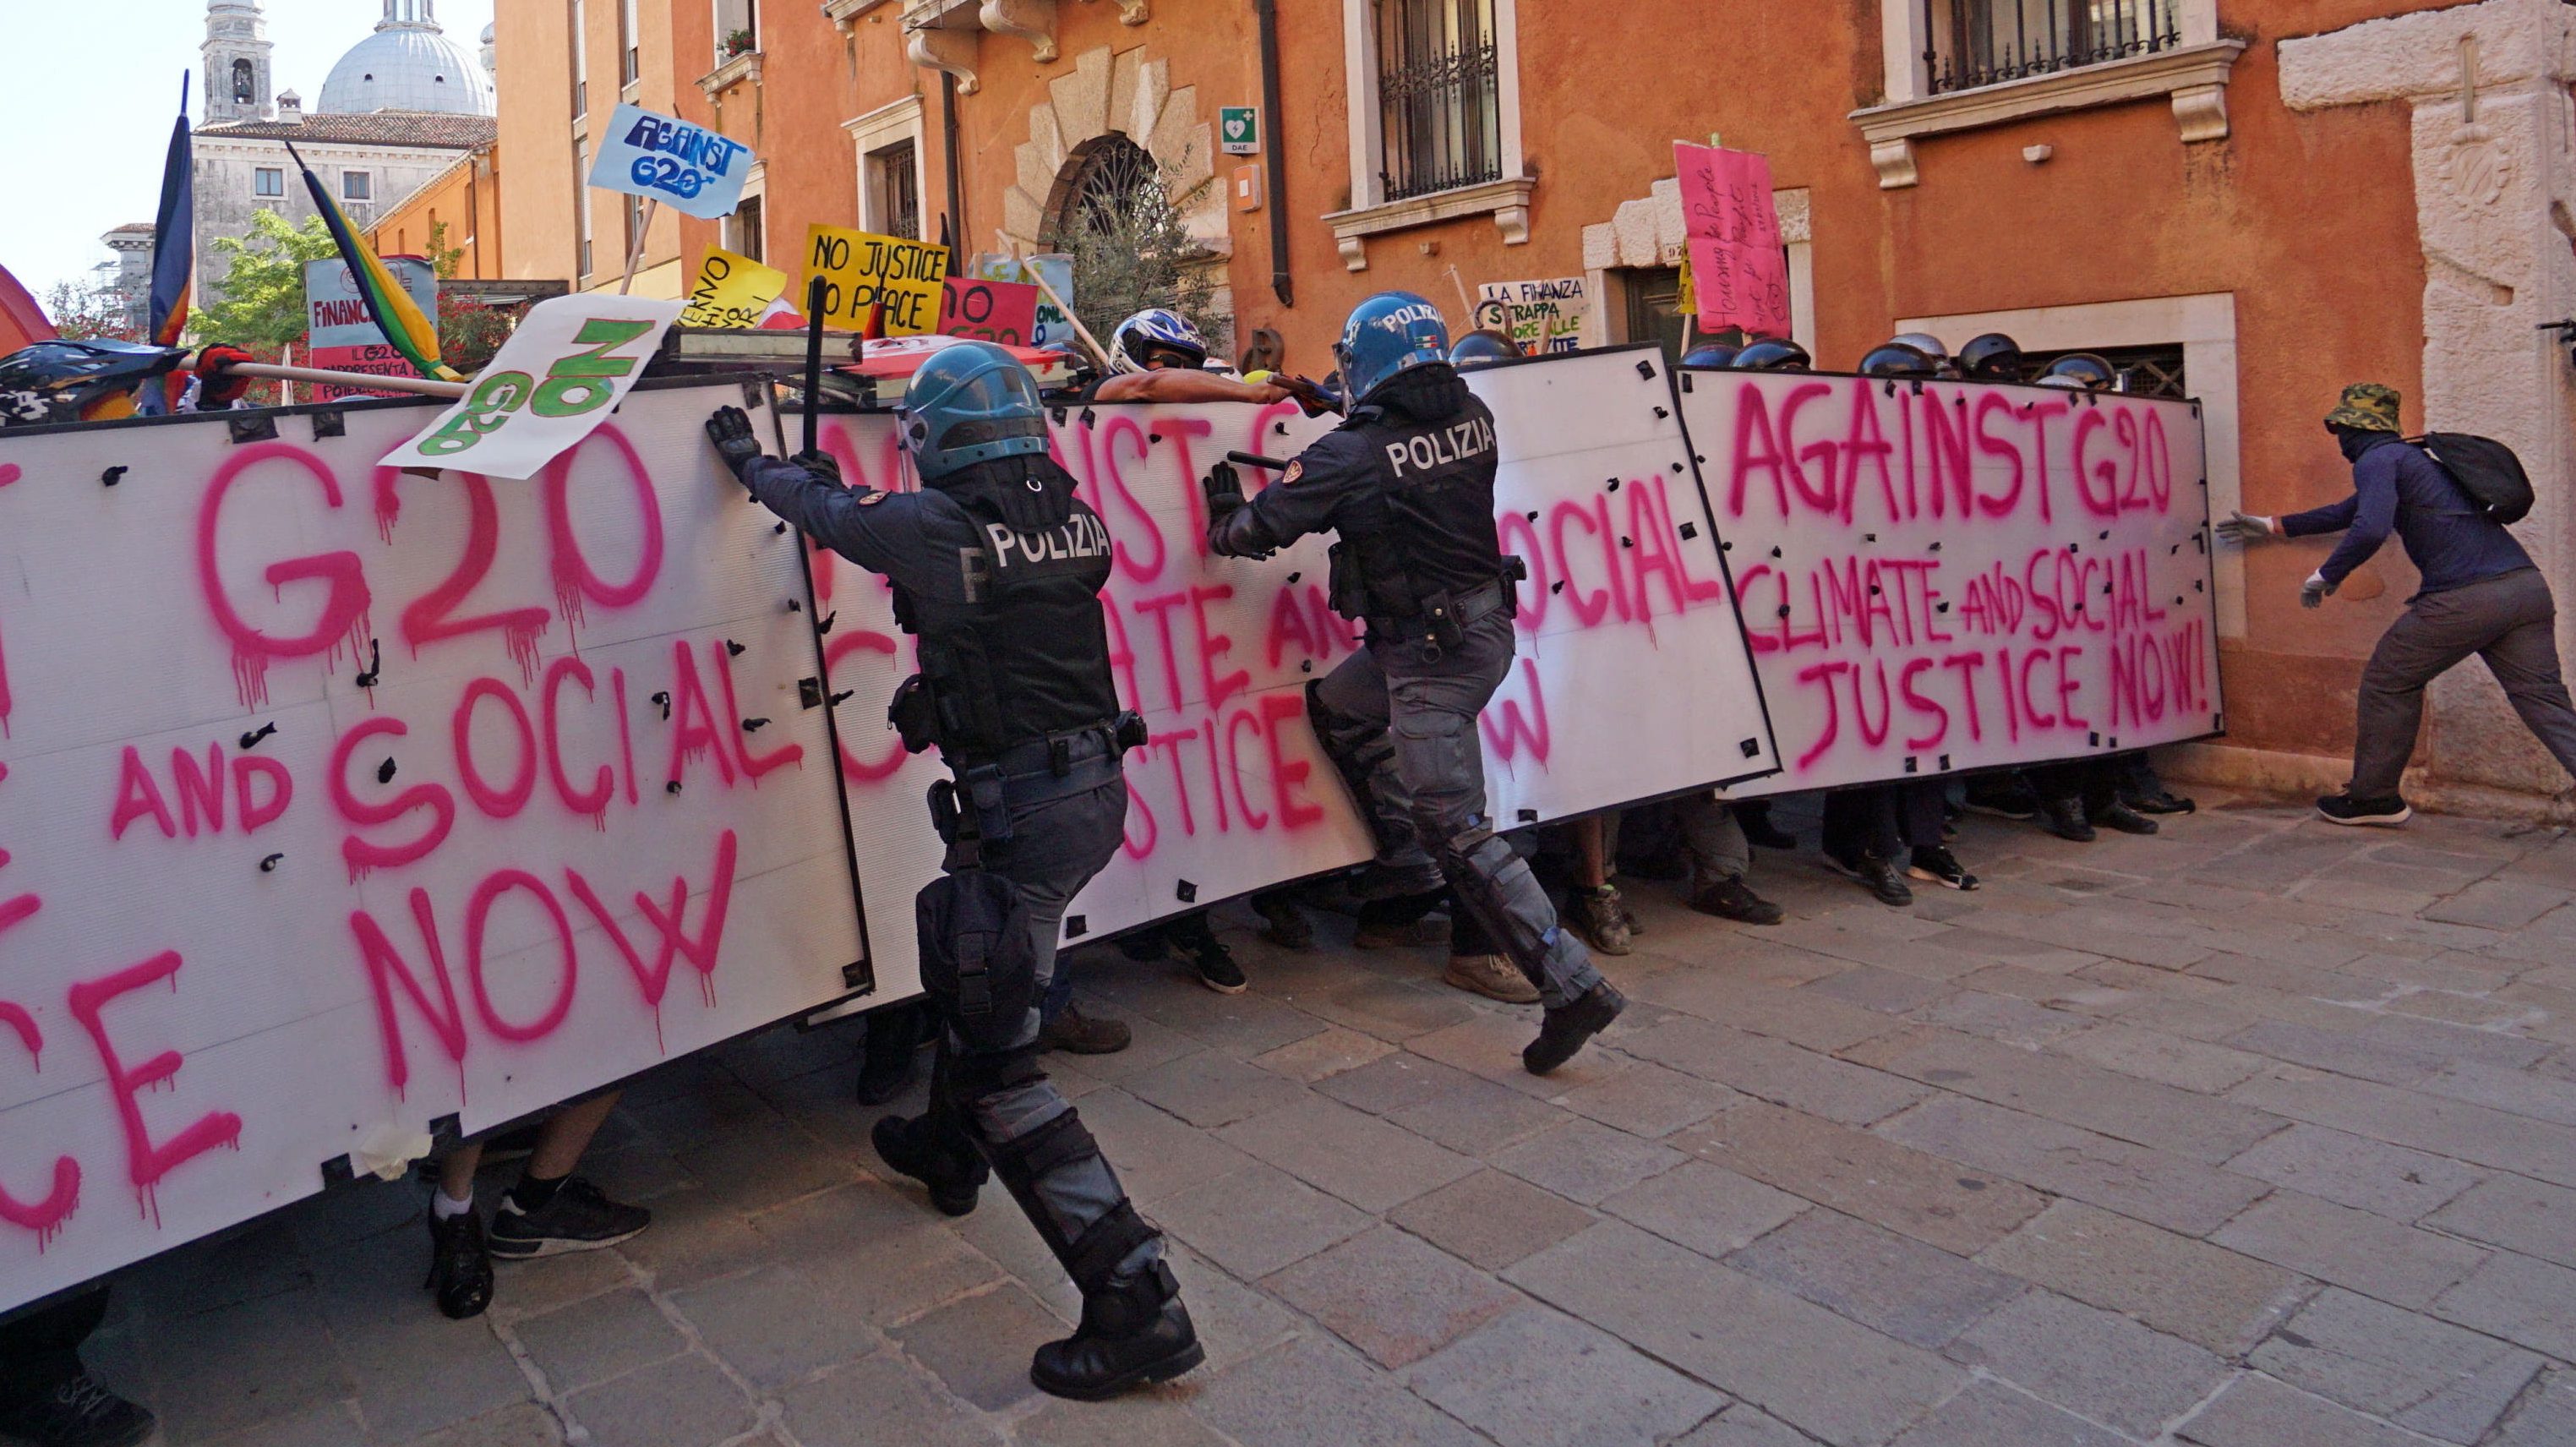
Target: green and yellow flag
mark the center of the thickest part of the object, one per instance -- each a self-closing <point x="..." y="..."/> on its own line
<point x="388" y="305"/>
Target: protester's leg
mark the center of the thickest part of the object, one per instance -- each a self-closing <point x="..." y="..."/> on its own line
<point x="460" y="1255"/>
<point x="2525" y="662"/>
<point x="1349" y="709"/>
<point x="551" y="1211"/>
<point x="2433" y="633"/>
<point x="1755" y="816"/>
<point x="1720" y="855"/>
<point x="47" y="1397"/>
<point x="2060" y="802"/>
<point x="1922" y="813"/>
<point x="893" y="1035"/>
<point x="1863" y="840"/>
<point x="1596" y="910"/>
<point x="2100" y="790"/>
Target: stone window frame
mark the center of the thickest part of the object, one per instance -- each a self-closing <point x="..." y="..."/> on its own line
<point x="887" y="126"/>
<point x="1369" y="213"/>
<point x="2204" y="325"/>
<point x="2193" y="77"/>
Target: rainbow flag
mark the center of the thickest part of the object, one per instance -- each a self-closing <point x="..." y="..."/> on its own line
<point x="388" y="305"/>
<point x="173" y="258"/>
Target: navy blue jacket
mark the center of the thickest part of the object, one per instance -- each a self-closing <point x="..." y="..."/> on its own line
<point x="2396" y="486"/>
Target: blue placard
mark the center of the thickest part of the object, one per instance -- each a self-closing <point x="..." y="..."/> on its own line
<point x="683" y="166"/>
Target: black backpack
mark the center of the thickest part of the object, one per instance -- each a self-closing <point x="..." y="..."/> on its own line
<point x="2485" y="469"/>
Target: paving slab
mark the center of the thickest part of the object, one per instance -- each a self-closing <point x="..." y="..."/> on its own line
<point x="1585" y="1161"/>
<point x="1209" y="1088"/>
<point x="1258" y="1219"/>
<point x="1311" y="1393"/>
<point x="606" y="1336"/>
<point x="1648" y="1100"/>
<point x="1139" y="1419"/>
<point x="980" y="1344"/>
<point x="1990" y="1414"/>
<point x="1776" y="1070"/>
<point x="884" y="1255"/>
<point x="2115" y="1105"/>
<point x="878" y="1400"/>
<point x="2546" y="1416"/>
<point x="1539" y="1379"/>
<point x="524" y="1424"/>
<point x="1718" y="993"/>
<point x="2223" y="1301"/>
<point x="2421" y="1373"/>
<point x="1394" y="1297"/>
<point x="1915" y="1293"/>
<point x="1749" y="1339"/>
<point x="2521" y="1299"/>
<point x="1494" y="1220"/>
<point x="1959" y="1208"/>
<point x="2356" y="1171"/>
<point x="1394" y="1081"/>
<point x="1707" y="1208"/>
<point x="1743" y="1426"/>
<point x="2097" y="1364"/>
<point x="1347" y="1153"/>
<point x="2528" y="1216"/>
<point x="2521" y="1092"/>
<point x="1325" y="1053"/>
<point x="2165" y="1059"/>
<point x="2344" y="1051"/>
<point x="2156" y="1186"/>
<point x="2421" y="1122"/>
<point x="2369" y="1254"/>
<point x="2256" y="1411"/>
<point x="686" y="1399"/>
<point x="2007" y="1018"/>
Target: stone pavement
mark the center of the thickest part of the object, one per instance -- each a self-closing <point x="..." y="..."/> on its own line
<point x="2260" y="1133"/>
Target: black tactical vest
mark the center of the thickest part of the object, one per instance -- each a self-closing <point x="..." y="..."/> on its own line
<point x="1026" y="655"/>
<point x="1429" y="529"/>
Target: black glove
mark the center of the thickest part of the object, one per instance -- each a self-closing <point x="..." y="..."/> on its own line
<point x="822" y="464"/>
<point x="730" y="430"/>
<point x="1224" y="489"/>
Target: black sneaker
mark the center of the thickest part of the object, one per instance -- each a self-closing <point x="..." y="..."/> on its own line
<point x="1938" y="865"/>
<point x="460" y="1265"/>
<point x="2345" y="809"/>
<point x="2158" y="800"/>
<point x="1876" y="875"/>
<point x="1565" y="1028"/>
<point x="76" y="1413"/>
<point x="1733" y="899"/>
<point x="1217" y="969"/>
<point x="2125" y="819"/>
<point x="2065" y="819"/>
<point x="579" y="1218"/>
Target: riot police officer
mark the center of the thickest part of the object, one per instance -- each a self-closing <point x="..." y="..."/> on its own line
<point x="997" y="568"/>
<point x="1408" y="484"/>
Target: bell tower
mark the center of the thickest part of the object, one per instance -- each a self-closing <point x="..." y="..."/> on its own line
<point x="236" y="79"/>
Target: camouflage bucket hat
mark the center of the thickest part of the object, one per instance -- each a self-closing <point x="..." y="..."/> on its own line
<point x="2366" y="407"/>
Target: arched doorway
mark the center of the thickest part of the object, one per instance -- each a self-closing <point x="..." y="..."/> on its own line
<point x="1115" y="210"/>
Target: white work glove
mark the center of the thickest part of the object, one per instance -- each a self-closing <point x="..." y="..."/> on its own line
<point x="2314" y="590"/>
<point x="2246" y="527"/>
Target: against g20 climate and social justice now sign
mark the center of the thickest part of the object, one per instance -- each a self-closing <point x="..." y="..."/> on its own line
<point x="559" y="376"/>
<point x="861" y="269"/>
<point x="667" y="159"/>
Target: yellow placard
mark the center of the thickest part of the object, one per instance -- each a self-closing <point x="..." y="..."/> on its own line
<point x="859" y="269"/>
<point x="1688" y="304"/>
<point x="731" y="291"/>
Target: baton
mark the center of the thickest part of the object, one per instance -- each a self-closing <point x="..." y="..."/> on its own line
<point x="1254" y="460"/>
<point x="813" y="360"/>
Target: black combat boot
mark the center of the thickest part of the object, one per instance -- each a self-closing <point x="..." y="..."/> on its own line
<point x="1567" y="1026"/>
<point x="955" y="1173"/>
<point x="1134" y="1332"/>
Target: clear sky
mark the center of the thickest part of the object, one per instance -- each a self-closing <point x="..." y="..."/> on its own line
<point x="87" y="92"/>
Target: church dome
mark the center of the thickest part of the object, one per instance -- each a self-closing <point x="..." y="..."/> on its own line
<point x="409" y="64"/>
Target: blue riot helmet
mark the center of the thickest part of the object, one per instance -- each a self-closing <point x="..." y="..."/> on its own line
<point x="1899" y="359"/>
<point x="970" y="402"/>
<point x="1389" y="334"/>
<point x="1772" y="354"/>
<point x="1155" y="336"/>
<point x="1710" y="354"/>
<point x="1482" y="348"/>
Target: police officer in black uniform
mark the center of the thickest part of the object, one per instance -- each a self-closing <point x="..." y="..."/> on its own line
<point x="1408" y="483"/>
<point x="997" y="568"/>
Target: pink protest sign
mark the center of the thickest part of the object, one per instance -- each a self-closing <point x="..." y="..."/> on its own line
<point x="1741" y="275"/>
<point x="992" y="311"/>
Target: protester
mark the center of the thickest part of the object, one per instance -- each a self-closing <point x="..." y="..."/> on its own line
<point x="1595" y="907"/>
<point x="47" y="1396"/>
<point x="1016" y="692"/>
<point x="1713" y="841"/>
<point x="1419" y="561"/>
<point x="550" y="1212"/>
<point x="2480" y="594"/>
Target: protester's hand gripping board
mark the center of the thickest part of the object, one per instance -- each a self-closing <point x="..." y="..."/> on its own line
<point x="1632" y="680"/>
<point x="1939" y="576"/>
<point x="338" y="802"/>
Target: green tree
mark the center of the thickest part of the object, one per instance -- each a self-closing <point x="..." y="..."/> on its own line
<point x="443" y="258"/>
<point x="83" y="314"/>
<point x="1131" y="250"/>
<point x="259" y="305"/>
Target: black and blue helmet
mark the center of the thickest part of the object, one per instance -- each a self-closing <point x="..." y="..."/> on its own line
<point x="1389" y="334"/>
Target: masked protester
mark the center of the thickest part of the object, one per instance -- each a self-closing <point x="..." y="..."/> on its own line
<point x="2480" y="595"/>
<point x="997" y="568"/>
<point x="1408" y="484"/>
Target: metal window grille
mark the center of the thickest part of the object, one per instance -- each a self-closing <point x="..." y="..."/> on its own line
<point x="1439" y="96"/>
<point x="747" y="230"/>
<point x="2143" y="371"/>
<point x="1984" y="42"/>
<point x="897" y="184"/>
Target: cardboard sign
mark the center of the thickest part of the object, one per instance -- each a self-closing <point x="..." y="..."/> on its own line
<point x="1539" y="316"/>
<point x="669" y="160"/>
<point x="860" y="269"/>
<point x="731" y="291"/>
<point x="1053" y="329"/>
<point x="1956" y="575"/>
<point x="1627" y="583"/>
<point x="557" y="377"/>
<point x="354" y="805"/>
<point x="1739" y="275"/>
<point x="992" y="311"/>
<point x="343" y="338"/>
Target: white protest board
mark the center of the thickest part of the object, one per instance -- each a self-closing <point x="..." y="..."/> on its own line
<point x="338" y="801"/>
<point x="557" y="377"/>
<point x="1949" y="575"/>
<point x="666" y="159"/>
<point x="1539" y="316"/>
<point x="1632" y="679"/>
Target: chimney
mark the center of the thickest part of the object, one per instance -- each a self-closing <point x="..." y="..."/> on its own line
<point x="290" y="108"/>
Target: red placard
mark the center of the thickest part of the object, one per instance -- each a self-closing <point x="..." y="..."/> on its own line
<point x="1737" y="266"/>
<point x="992" y="311"/>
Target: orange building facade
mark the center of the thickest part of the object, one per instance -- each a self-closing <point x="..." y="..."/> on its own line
<point x="459" y="210"/>
<point x="2249" y="201"/>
